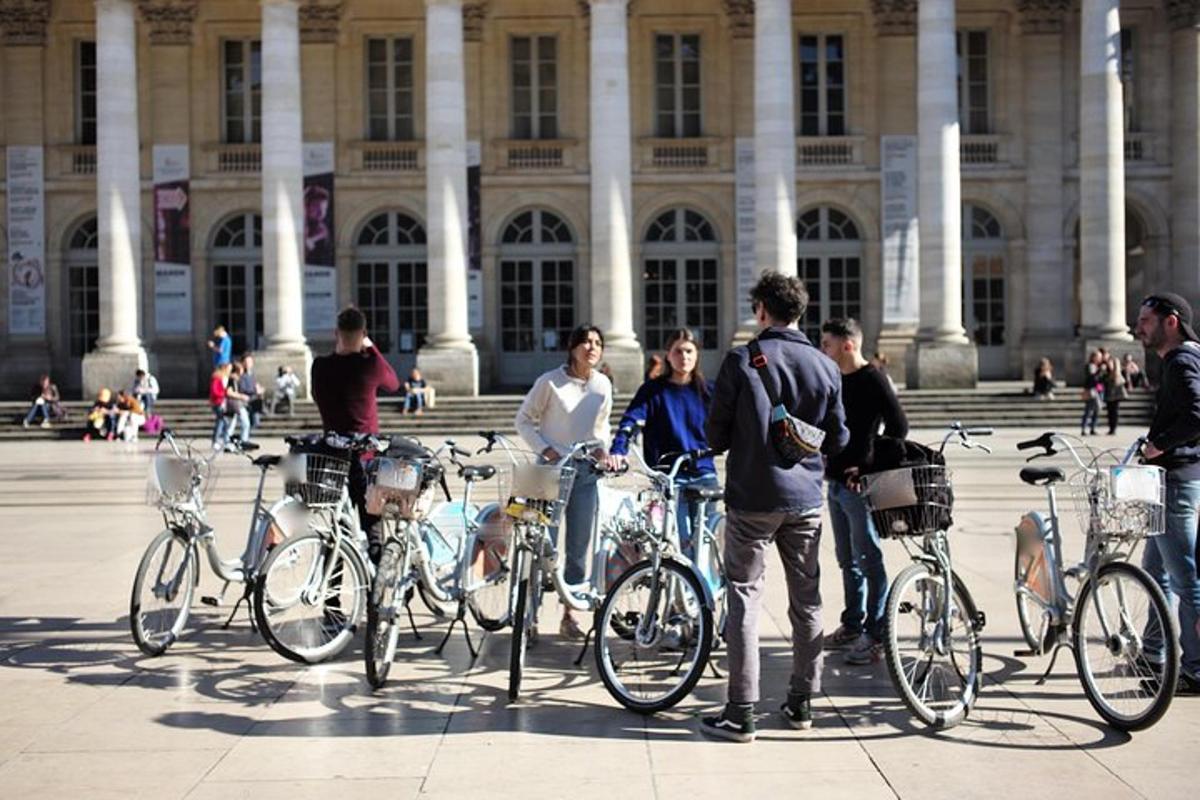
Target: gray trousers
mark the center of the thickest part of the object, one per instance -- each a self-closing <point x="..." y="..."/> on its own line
<point x="748" y="535"/>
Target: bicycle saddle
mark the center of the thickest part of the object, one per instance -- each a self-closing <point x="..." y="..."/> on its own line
<point x="1042" y="476"/>
<point x="704" y="492"/>
<point x="477" y="473"/>
<point x="267" y="461"/>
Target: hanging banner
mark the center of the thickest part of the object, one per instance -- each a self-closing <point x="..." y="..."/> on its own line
<point x="744" y="210"/>
<point x="320" y="246"/>
<point x="26" y="241"/>
<point x="474" y="238"/>
<point x="898" y="189"/>
<point x="172" y="239"/>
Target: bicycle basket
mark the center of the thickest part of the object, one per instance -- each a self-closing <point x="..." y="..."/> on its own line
<point x="401" y="487"/>
<point x="538" y="492"/>
<point x="911" y="501"/>
<point x="1122" y="502"/>
<point x="170" y="480"/>
<point x="315" y="479"/>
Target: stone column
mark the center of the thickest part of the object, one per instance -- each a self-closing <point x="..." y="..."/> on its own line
<point x="119" y="350"/>
<point x="774" y="137"/>
<point x="610" y="144"/>
<point x="942" y="356"/>
<point x="1048" y="289"/>
<point x="1101" y="176"/>
<point x="1184" y="16"/>
<point x="449" y="359"/>
<point x="282" y="193"/>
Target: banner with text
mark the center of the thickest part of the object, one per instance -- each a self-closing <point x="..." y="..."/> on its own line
<point x="26" y="241"/>
<point x="172" y="239"/>
<point x="474" y="238"/>
<point x="320" y="246"/>
<point x="901" y="253"/>
<point x="744" y="209"/>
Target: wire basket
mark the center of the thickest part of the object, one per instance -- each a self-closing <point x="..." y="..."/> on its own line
<point x="402" y="488"/>
<point x="536" y="493"/>
<point x="1121" y="502"/>
<point x="171" y="479"/>
<point x="315" y="479"/>
<point x="911" y="501"/>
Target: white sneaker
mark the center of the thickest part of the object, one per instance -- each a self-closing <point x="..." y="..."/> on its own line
<point x="864" y="651"/>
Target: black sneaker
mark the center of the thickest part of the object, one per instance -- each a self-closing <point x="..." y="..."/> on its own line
<point x="1187" y="687"/>
<point x="723" y="726"/>
<point x="797" y="712"/>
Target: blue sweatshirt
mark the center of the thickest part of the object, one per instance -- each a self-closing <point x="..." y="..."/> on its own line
<point x="674" y="415"/>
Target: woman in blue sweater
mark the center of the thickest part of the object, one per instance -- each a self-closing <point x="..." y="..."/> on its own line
<point x="674" y="407"/>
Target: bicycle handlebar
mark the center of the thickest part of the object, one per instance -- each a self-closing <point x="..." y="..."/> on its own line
<point x="964" y="434"/>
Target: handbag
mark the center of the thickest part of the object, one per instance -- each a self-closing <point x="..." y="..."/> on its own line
<point x="793" y="439"/>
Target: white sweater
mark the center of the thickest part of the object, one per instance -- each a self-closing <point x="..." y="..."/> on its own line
<point x="561" y="410"/>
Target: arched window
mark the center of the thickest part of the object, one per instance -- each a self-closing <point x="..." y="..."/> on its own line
<point x="829" y="261"/>
<point x="83" y="288"/>
<point x="537" y="292"/>
<point x="984" y="309"/>
<point x="237" y="279"/>
<point x="681" y="278"/>
<point x="392" y="283"/>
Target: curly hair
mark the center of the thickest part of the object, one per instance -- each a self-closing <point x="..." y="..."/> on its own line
<point x="783" y="296"/>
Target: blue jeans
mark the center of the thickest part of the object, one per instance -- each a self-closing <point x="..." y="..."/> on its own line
<point x="688" y="512"/>
<point x="1171" y="560"/>
<point x="240" y="426"/>
<point x="414" y="401"/>
<point x="40" y="406"/>
<point x="147" y="401"/>
<point x="1091" y="414"/>
<point x="220" y="426"/>
<point x="864" y="579"/>
<point x="580" y="518"/>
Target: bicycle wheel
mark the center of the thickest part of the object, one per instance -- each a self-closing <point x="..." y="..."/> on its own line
<point x="302" y="616"/>
<point x="1126" y="647"/>
<point x="488" y="597"/>
<point x="654" y="633"/>
<point x="1034" y="619"/>
<point x="936" y="670"/>
<point x="382" y="630"/>
<point x="162" y="593"/>
<point x="522" y="621"/>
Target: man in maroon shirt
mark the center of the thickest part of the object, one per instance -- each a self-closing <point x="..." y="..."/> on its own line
<point x="344" y="385"/>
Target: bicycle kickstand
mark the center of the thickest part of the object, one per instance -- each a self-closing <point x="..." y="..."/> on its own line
<point x="587" y="639"/>
<point x="1053" y="657"/>
<point x="412" y="623"/>
<point x="459" y="617"/>
<point x="245" y="598"/>
<point x="716" y="671"/>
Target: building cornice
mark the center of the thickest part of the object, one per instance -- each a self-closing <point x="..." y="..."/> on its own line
<point x="741" y="17"/>
<point x="170" y="21"/>
<point x="1183" y="14"/>
<point x="319" y="21"/>
<point x="895" y="17"/>
<point x="1043" y="16"/>
<point x="24" y="22"/>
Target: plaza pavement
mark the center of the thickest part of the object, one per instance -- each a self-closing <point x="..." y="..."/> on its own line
<point x="82" y="714"/>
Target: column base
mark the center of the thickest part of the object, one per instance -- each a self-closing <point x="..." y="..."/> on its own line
<point x="894" y="343"/>
<point x="941" y="365"/>
<point x="451" y="371"/>
<point x="1062" y="350"/>
<point x="108" y="370"/>
<point x="628" y="366"/>
<point x="267" y="364"/>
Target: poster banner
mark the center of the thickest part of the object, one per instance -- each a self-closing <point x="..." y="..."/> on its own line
<point x="320" y="245"/>
<point x="474" y="238"/>
<point x="172" y="239"/>
<point x="898" y="188"/>
<point x="744" y="209"/>
<point x="26" y="241"/>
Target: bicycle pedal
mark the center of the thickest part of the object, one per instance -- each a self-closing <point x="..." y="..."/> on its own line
<point x="209" y="600"/>
<point x="980" y="620"/>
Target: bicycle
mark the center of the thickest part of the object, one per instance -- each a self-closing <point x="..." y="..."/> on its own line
<point x="312" y="591"/>
<point x="1117" y="621"/>
<point x="169" y="571"/>
<point x="655" y="628"/>
<point x="418" y="554"/>
<point x="932" y="625"/>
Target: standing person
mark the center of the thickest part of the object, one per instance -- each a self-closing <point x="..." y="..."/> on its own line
<point x="249" y="386"/>
<point x="217" y="389"/>
<point x="770" y="499"/>
<point x="145" y="389"/>
<point x="1114" y="392"/>
<point x="237" y="404"/>
<point x="344" y="385"/>
<point x="870" y="402"/>
<point x="566" y="405"/>
<point x="221" y="346"/>
<point x="1165" y="326"/>
<point x="1093" y="393"/>
<point x="674" y="407"/>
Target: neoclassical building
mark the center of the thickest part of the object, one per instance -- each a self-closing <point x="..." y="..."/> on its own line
<point x="981" y="182"/>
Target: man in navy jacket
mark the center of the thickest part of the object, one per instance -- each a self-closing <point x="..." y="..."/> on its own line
<point x="771" y="500"/>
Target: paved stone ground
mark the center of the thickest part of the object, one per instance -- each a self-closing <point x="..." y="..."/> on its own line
<point x="82" y="714"/>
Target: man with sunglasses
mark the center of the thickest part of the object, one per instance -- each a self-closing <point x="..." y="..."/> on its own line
<point x="1164" y="325"/>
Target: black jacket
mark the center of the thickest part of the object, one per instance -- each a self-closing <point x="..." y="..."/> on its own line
<point x="1176" y="426"/>
<point x="810" y="386"/>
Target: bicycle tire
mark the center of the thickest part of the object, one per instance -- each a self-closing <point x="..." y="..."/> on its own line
<point x="1163" y="685"/>
<point x="1026" y="611"/>
<point x="149" y="642"/>
<point x="489" y="600"/>
<point x="339" y="625"/>
<point x="960" y="705"/>
<point x="626" y="632"/>
<point x="521" y="622"/>
<point x="381" y="616"/>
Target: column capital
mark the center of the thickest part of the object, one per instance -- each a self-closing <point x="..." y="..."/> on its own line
<point x="170" y="21"/>
<point x="1183" y="14"/>
<point x="319" y="21"/>
<point x="895" y="17"/>
<point x="474" y="14"/>
<point x="1042" y="16"/>
<point x="585" y="6"/>
<point x="741" y="17"/>
<point x="24" y="22"/>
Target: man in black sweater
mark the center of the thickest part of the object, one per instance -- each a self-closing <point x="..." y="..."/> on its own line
<point x="870" y="403"/>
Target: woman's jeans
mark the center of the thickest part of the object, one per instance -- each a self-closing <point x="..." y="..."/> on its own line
<point x="688" y="511"/>
<point x="40" y="406"/>
<point x="220" y="426"/>
<point x="860" y="557"/>
<point x="1091" y="413"/>
<point x="580" y="519"/>
<point x="414" y="401"/>
<point x="239" y="426"/>
<point x="1170" y="558"/>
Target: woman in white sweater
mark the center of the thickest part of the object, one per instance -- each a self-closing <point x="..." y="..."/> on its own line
<point x="566" y="405"/>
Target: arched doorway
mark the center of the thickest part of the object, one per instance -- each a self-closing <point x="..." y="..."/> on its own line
<point x="237" y="280"/>
<point x="829" y="261"/>
<point x="391" y="285"/>
<point x="985" y="310"/>
<point x="681" y="280"/>
<point x="82" y="263"/>
<point x="1138" y="261"/>
<point x="537" y="294"/>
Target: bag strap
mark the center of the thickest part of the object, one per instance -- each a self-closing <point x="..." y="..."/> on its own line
<point x="759" y="361"/>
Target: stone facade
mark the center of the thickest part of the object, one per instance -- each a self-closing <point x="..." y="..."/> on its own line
<point x="1019" y="162"/>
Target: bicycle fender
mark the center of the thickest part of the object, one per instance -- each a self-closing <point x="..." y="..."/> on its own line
<point x="709" y="601"/>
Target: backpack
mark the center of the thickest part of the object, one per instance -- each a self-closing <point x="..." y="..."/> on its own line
<point x="897" y="454"/>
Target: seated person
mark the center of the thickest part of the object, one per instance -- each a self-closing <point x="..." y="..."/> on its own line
<point x="415" y="389"/>
<point x="131" y="415"/>
<point x="45" y="403"/>
<point x="1043" y="380"/>
<point x="102" y="418"/>
<point x="287" y="382"/>
<point x="145" y="389"/>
